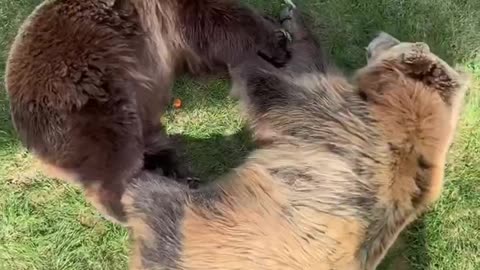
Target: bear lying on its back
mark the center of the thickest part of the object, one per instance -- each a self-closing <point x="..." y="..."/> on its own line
<point x="346" y="166"/>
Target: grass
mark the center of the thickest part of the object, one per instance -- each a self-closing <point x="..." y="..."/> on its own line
<point x="46" y="224"/>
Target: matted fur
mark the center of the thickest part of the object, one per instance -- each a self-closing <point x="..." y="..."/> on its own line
<point x="89" y="79"/>
<point x="347" y="167"/>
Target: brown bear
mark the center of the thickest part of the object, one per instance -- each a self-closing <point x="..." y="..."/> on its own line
<point x="89" y="79"/>
<point x="345" y="167"/>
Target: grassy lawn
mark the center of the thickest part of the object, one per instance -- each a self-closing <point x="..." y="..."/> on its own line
<point x="45" y="224"/>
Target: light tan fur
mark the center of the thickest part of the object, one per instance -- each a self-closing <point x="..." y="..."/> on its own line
<point x="254" y="214"/>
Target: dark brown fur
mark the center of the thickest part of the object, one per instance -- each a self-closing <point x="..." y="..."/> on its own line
<point x="89" y="79"/>
<point x="347" y="167"/>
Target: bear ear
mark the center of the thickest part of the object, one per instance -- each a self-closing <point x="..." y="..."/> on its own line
<point x="379" y="44"/>
<point x="386" y="36"/>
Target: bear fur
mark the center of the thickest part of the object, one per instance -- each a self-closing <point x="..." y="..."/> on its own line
<point x="344" y="166"/>
<point x="89" y="79"/>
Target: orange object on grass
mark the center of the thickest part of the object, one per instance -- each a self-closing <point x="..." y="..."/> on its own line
<point x="177" y="103"/>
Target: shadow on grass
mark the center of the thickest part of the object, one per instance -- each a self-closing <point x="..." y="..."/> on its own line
<point x="212" y="157"/>
<point x="409" y="251"/>
<point x="416" y="237"/>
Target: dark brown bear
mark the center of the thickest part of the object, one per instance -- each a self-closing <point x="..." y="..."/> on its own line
<point x="89" y="79"/>
<point x="347" y="166"/>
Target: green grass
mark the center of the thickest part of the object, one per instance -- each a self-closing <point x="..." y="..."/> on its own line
<point x="46" y="224"/>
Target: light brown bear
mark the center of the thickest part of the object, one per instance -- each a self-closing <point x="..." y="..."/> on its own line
<point x="344" y="167"/>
